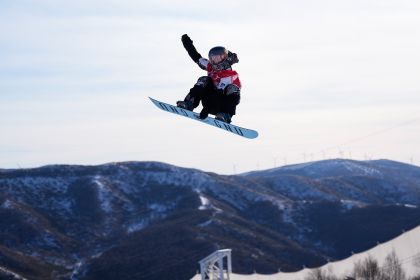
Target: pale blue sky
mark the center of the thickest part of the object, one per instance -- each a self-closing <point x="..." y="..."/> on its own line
<point x="320" y="78"/>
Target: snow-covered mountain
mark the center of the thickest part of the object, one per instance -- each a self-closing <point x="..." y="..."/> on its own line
<point x="123" y="220"/>
<point x="379" y="181"/>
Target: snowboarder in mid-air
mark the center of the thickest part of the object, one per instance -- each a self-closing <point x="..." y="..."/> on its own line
<point x="219" y="91"/>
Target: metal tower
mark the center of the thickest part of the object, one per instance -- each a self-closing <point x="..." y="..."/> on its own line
<point x="212" y="266"/>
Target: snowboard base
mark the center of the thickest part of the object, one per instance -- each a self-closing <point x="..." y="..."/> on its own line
<point x="241" y="131"/>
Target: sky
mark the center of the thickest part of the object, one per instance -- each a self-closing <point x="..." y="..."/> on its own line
<point x="320" y="79"/>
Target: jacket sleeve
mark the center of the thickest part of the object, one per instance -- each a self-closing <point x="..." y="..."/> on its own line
<point x="188" y="45"/>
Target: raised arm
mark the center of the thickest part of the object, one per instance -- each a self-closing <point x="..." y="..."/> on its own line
<point x="192" y="51"/>
<point x="201" y="61"/>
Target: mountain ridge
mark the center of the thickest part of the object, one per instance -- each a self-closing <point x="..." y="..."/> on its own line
<point x="79" y="221"/>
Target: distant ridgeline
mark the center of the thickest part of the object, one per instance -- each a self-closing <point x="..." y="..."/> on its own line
<point x="150" y="220"/>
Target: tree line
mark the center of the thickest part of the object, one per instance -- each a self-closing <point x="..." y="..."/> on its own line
<point x="369" y="269"/>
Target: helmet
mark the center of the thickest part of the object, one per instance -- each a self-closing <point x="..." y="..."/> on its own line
<point x="217" y="55"/>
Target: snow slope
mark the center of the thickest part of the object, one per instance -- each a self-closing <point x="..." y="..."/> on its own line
<point x="406" y="246"/>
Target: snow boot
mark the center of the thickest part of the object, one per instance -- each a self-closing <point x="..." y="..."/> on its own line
<point x="224" y="117"/>
<point x="187" y="105"/>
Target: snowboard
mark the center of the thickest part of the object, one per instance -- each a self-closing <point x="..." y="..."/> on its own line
<point x="241" y="131"/>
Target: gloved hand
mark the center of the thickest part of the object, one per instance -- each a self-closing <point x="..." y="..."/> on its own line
<point x="232" y="58"/>
<point x="189" y="46"/>
<point x="232" y="90"/>
<point x="186" y="39"/>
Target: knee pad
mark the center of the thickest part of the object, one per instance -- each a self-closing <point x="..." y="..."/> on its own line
<point x="203" y="81"/>
<point x="232" y="89"/>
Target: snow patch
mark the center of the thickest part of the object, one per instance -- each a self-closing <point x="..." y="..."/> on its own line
<point x="103" y="194"/>
<point x="205" y="224"/>
<point x="7" y="204"/>
<point x="205" y="203"/>
<point x="76" y="270"/>
<point x="354" y="167"/>
<point x="138" y="226"/>
<point x="318" y="167"/>
<point x="410" y="206"/>
<point x="157" y="207"/>
<point x="170" y="175"/>
<point x="350" y="204"/>
<point x="11" y="274"/>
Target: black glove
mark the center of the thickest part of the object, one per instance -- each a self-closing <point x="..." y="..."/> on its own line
<point x="232" y="58"/>
<point x="227" y="63"/>
<point x="186" y="39"/>
<point x="189" y="46"/>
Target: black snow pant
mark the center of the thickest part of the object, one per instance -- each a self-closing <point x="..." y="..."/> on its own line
<point x="214" y="100"/>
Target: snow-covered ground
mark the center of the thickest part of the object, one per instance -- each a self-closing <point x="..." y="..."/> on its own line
<point x="406" y="246"/>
